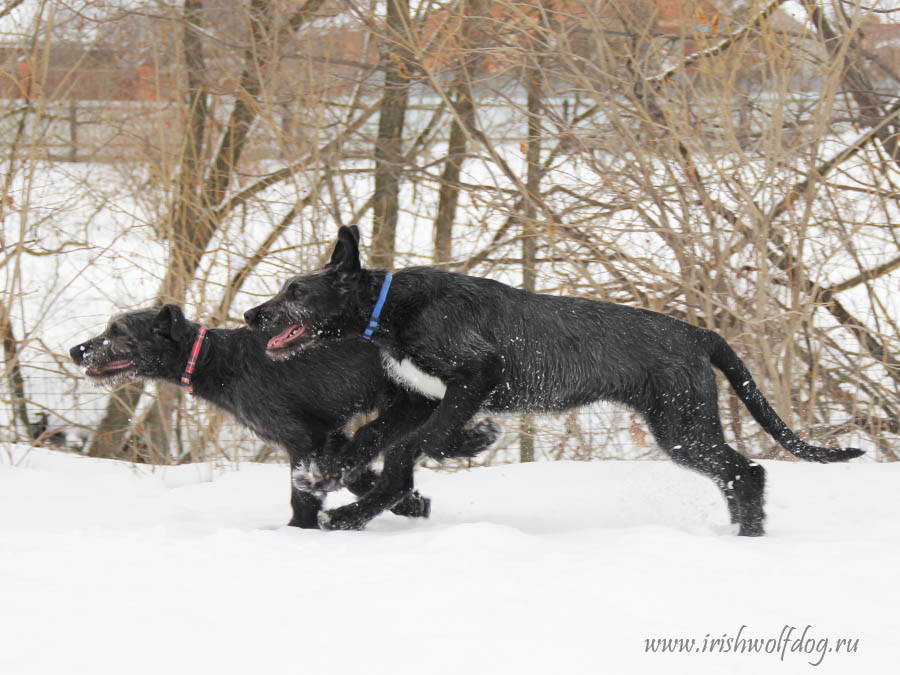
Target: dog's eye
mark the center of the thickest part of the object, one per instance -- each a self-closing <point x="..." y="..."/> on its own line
<point x="298" y="293"/>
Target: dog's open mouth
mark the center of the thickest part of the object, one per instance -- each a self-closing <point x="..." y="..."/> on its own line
<point x="286" y="338"/>
<point x="109" y="369"/>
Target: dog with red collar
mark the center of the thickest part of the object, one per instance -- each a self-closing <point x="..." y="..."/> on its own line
<point x="301" y="404"/>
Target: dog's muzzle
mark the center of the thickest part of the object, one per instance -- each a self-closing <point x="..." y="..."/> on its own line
<point x="252" y="317"/>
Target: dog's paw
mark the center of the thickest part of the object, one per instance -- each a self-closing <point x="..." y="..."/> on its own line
<point x="477" y="438"/>
<point x="413" y="505"/>
<point x="338" y="519"/>
<point x="488" y="430"/>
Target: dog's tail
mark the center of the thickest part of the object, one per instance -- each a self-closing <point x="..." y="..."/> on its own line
<point x="473" y="440"/>
<point x="724" y="358"/>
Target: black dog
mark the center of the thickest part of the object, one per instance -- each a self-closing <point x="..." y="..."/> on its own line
<point x="302" y="404"/>
<point x="503" y="349"/>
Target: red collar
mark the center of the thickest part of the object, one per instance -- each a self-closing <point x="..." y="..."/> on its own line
<point x="192" y="360"/>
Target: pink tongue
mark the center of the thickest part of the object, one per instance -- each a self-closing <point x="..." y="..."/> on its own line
<point x="112" y="365"/>
<point x="285" y="337"/>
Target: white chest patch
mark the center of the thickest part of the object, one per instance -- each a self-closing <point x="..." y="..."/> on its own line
<point x="406" y="373"/>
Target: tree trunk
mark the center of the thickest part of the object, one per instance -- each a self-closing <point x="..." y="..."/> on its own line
<point x="389" y="160"/>
<point x="113" y="430"/>
<point x="464" y="104"/>
<point x="448" y="197"/>
<point x="529" y="234"/>
<point x="193" y="220"/>
<point x="856" y="81"/>
<point x="13" y="372"/>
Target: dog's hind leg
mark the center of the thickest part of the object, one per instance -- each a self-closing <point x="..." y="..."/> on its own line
<point x="692" y="436"/>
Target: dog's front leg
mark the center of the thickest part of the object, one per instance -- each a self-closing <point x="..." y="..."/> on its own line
<point x="399" y="413"/>
<point x="460" y="403"/>
<point x="413" y="505"/>
<point x="395" y="483"/>
<point x="306" y="507"/>
<point x="345" y="459"/>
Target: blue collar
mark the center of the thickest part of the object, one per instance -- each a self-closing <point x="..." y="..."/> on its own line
<point x="373" y="320"/>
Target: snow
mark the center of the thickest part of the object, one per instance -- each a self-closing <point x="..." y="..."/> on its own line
<point x="561" y="567"/>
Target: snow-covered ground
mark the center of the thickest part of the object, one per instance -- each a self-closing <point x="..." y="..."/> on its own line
<point x="543" y="568"/>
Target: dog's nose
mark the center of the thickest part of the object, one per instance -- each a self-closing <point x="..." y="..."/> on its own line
<point x="251" y="315"/>
<point x="78" y="352"/>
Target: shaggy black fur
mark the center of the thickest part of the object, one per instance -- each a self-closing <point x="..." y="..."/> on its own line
<point x="503" y="349"/>
<point x="301" y="404"/>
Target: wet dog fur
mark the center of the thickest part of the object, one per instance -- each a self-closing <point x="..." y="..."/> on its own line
<point x="301" y="404"/>
<point x="498" y="348"/>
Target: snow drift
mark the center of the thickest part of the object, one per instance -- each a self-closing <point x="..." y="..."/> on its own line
<point x="561" y="567"/>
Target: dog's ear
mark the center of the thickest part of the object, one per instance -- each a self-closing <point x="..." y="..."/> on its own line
<point x="345" y="257"/>
<point x="170" y="322"/>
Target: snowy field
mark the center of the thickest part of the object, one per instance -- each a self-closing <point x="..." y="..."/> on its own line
<point x="543" y="568"/>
